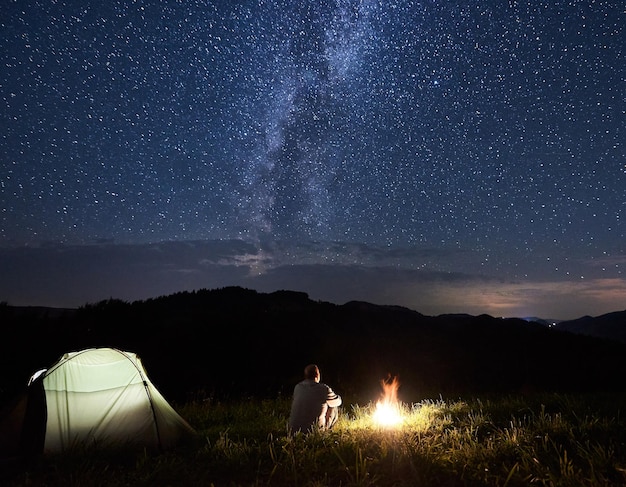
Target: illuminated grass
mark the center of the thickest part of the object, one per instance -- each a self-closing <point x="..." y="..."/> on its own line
<point x="415" y="417"/>
<point x="546" y="440"/>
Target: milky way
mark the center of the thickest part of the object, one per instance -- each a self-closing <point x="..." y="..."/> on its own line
<point x="495" y="127"/>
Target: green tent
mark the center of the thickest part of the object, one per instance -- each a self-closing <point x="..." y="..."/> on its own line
<point x="98" y="396"/>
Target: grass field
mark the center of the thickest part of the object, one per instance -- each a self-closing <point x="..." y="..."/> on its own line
<point x="545" y="440"/>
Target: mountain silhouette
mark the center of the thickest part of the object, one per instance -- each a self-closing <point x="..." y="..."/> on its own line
<point x="610" y="325"/>
<point x="236" y="342"/>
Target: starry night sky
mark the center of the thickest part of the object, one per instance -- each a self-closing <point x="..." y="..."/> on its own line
<point x="446" y="156"/>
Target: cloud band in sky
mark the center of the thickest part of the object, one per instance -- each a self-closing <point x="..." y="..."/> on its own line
<point x="431" y="281"/>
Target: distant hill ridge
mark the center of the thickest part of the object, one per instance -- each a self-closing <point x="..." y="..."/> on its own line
<point x="236" y="341"/>
<point x="609" y="325"/>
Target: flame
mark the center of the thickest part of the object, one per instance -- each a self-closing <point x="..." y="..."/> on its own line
<point x="388" y="411"/>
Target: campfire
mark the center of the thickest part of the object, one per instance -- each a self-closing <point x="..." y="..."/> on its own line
<point x="388" y="411"/>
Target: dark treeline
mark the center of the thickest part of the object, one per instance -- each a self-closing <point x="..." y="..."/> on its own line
<point x="235" y="342"/>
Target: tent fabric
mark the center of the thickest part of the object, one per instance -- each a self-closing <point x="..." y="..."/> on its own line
<point x="100" y="396"/>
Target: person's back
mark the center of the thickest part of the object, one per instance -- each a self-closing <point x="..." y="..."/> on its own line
<point x="314" y="403"/>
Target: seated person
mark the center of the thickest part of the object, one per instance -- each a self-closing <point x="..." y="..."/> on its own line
<point x="314" y="404"/>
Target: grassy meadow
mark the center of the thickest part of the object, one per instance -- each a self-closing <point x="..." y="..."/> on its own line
<point x="545" y="440"/>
